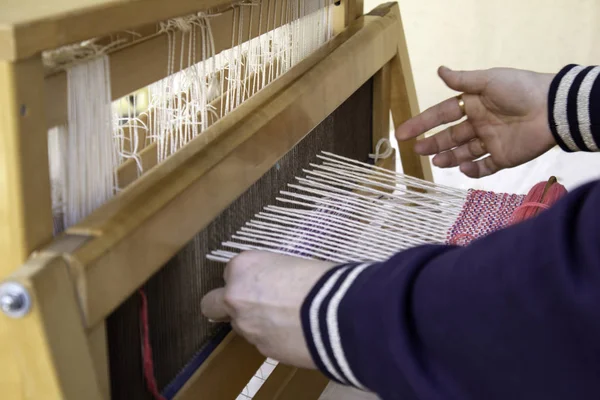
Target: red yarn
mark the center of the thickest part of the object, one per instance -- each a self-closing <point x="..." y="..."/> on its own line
<point x="541" y="197"/>
<point x="147" y="359"/>
<point x="483" y="212"/>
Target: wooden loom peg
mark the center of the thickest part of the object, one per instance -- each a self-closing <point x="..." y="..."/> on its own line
<point x="551" y="181"/>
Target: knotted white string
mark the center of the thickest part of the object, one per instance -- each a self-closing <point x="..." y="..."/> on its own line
<point x="387" y="153"/>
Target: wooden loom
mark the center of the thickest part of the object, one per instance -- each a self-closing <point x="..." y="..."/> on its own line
<point x="58" y="348"/>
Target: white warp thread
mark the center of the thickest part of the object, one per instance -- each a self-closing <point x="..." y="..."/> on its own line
<point x="344" y="210"/>
<point x="90" y="154"/>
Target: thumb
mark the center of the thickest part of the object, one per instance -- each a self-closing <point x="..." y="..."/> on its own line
<point x="473" y="82"/>
<point x="213" y="305"/>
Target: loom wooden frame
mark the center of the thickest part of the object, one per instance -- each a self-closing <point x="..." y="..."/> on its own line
<point x="77" y="279"/>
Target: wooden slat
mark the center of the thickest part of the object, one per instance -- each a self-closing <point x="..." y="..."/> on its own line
<point x="405" y="105"/>
<point x="149" y="222"/>
<point x="225" y="372"/>
<point x="25" y="205"/>
<point x="28" y="27"/>
<point x="127" y="75"/>
<point x="289" y="383"/>
<point x="49" y="344"/>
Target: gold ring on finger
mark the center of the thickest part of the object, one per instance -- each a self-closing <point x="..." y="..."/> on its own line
<point x="461" y="104"/>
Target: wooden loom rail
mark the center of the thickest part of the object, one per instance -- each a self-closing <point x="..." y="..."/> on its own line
<point x="152" y="54"/>
<point x="25" y="206"/>
<point x="28" y="27"/>
<point x="150" y="221"/>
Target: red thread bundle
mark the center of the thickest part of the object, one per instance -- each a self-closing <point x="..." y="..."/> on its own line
<point x="541" y="197"/>
<point x="147" y="359"/>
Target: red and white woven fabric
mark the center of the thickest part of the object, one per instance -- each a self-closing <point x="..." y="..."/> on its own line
<point x="483" y="213"/>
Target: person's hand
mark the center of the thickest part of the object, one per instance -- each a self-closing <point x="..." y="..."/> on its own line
<point x="262" y="298"/>
<point x="507" y="121"/>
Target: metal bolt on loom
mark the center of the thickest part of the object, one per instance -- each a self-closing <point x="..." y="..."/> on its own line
<point x="14" y="300"/>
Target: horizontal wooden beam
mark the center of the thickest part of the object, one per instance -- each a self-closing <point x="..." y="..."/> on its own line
<point x="25" y="200"/>
<point x="145" y="225"/>
<point x="28" y="27"/>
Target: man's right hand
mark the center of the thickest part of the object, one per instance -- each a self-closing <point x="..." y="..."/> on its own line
<point x="507" y="121"/>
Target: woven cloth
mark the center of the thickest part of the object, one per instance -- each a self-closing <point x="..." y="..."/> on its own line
<point x="483" y="213"/>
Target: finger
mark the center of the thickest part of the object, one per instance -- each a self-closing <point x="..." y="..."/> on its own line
<point x="443" y="113"/>
<point x="469" y="151"/>
<point x="213" y="305"/>
<point x="445" y="140"/>
<point x="480" y="168"/>
<point x="473" y="82"/>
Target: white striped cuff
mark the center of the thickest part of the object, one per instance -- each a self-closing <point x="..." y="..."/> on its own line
<point x="322" y="327"/>
<point x="574" y="108"/>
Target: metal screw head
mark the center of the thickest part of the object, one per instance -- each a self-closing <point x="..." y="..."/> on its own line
<point x="14" y="300"/>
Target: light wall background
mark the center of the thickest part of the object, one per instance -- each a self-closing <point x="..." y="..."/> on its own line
<point x="540" y="35"/>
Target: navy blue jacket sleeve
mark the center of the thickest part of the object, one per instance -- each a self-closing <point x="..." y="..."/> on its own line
<point x="514" y="315"/>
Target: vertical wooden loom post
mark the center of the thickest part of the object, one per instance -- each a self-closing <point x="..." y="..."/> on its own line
<point x="404" y="104"/>
<point x="25" y="204"/>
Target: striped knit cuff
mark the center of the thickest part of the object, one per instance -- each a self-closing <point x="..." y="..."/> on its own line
<point x="321" y="327"/>
<point x="574" y="108"/>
